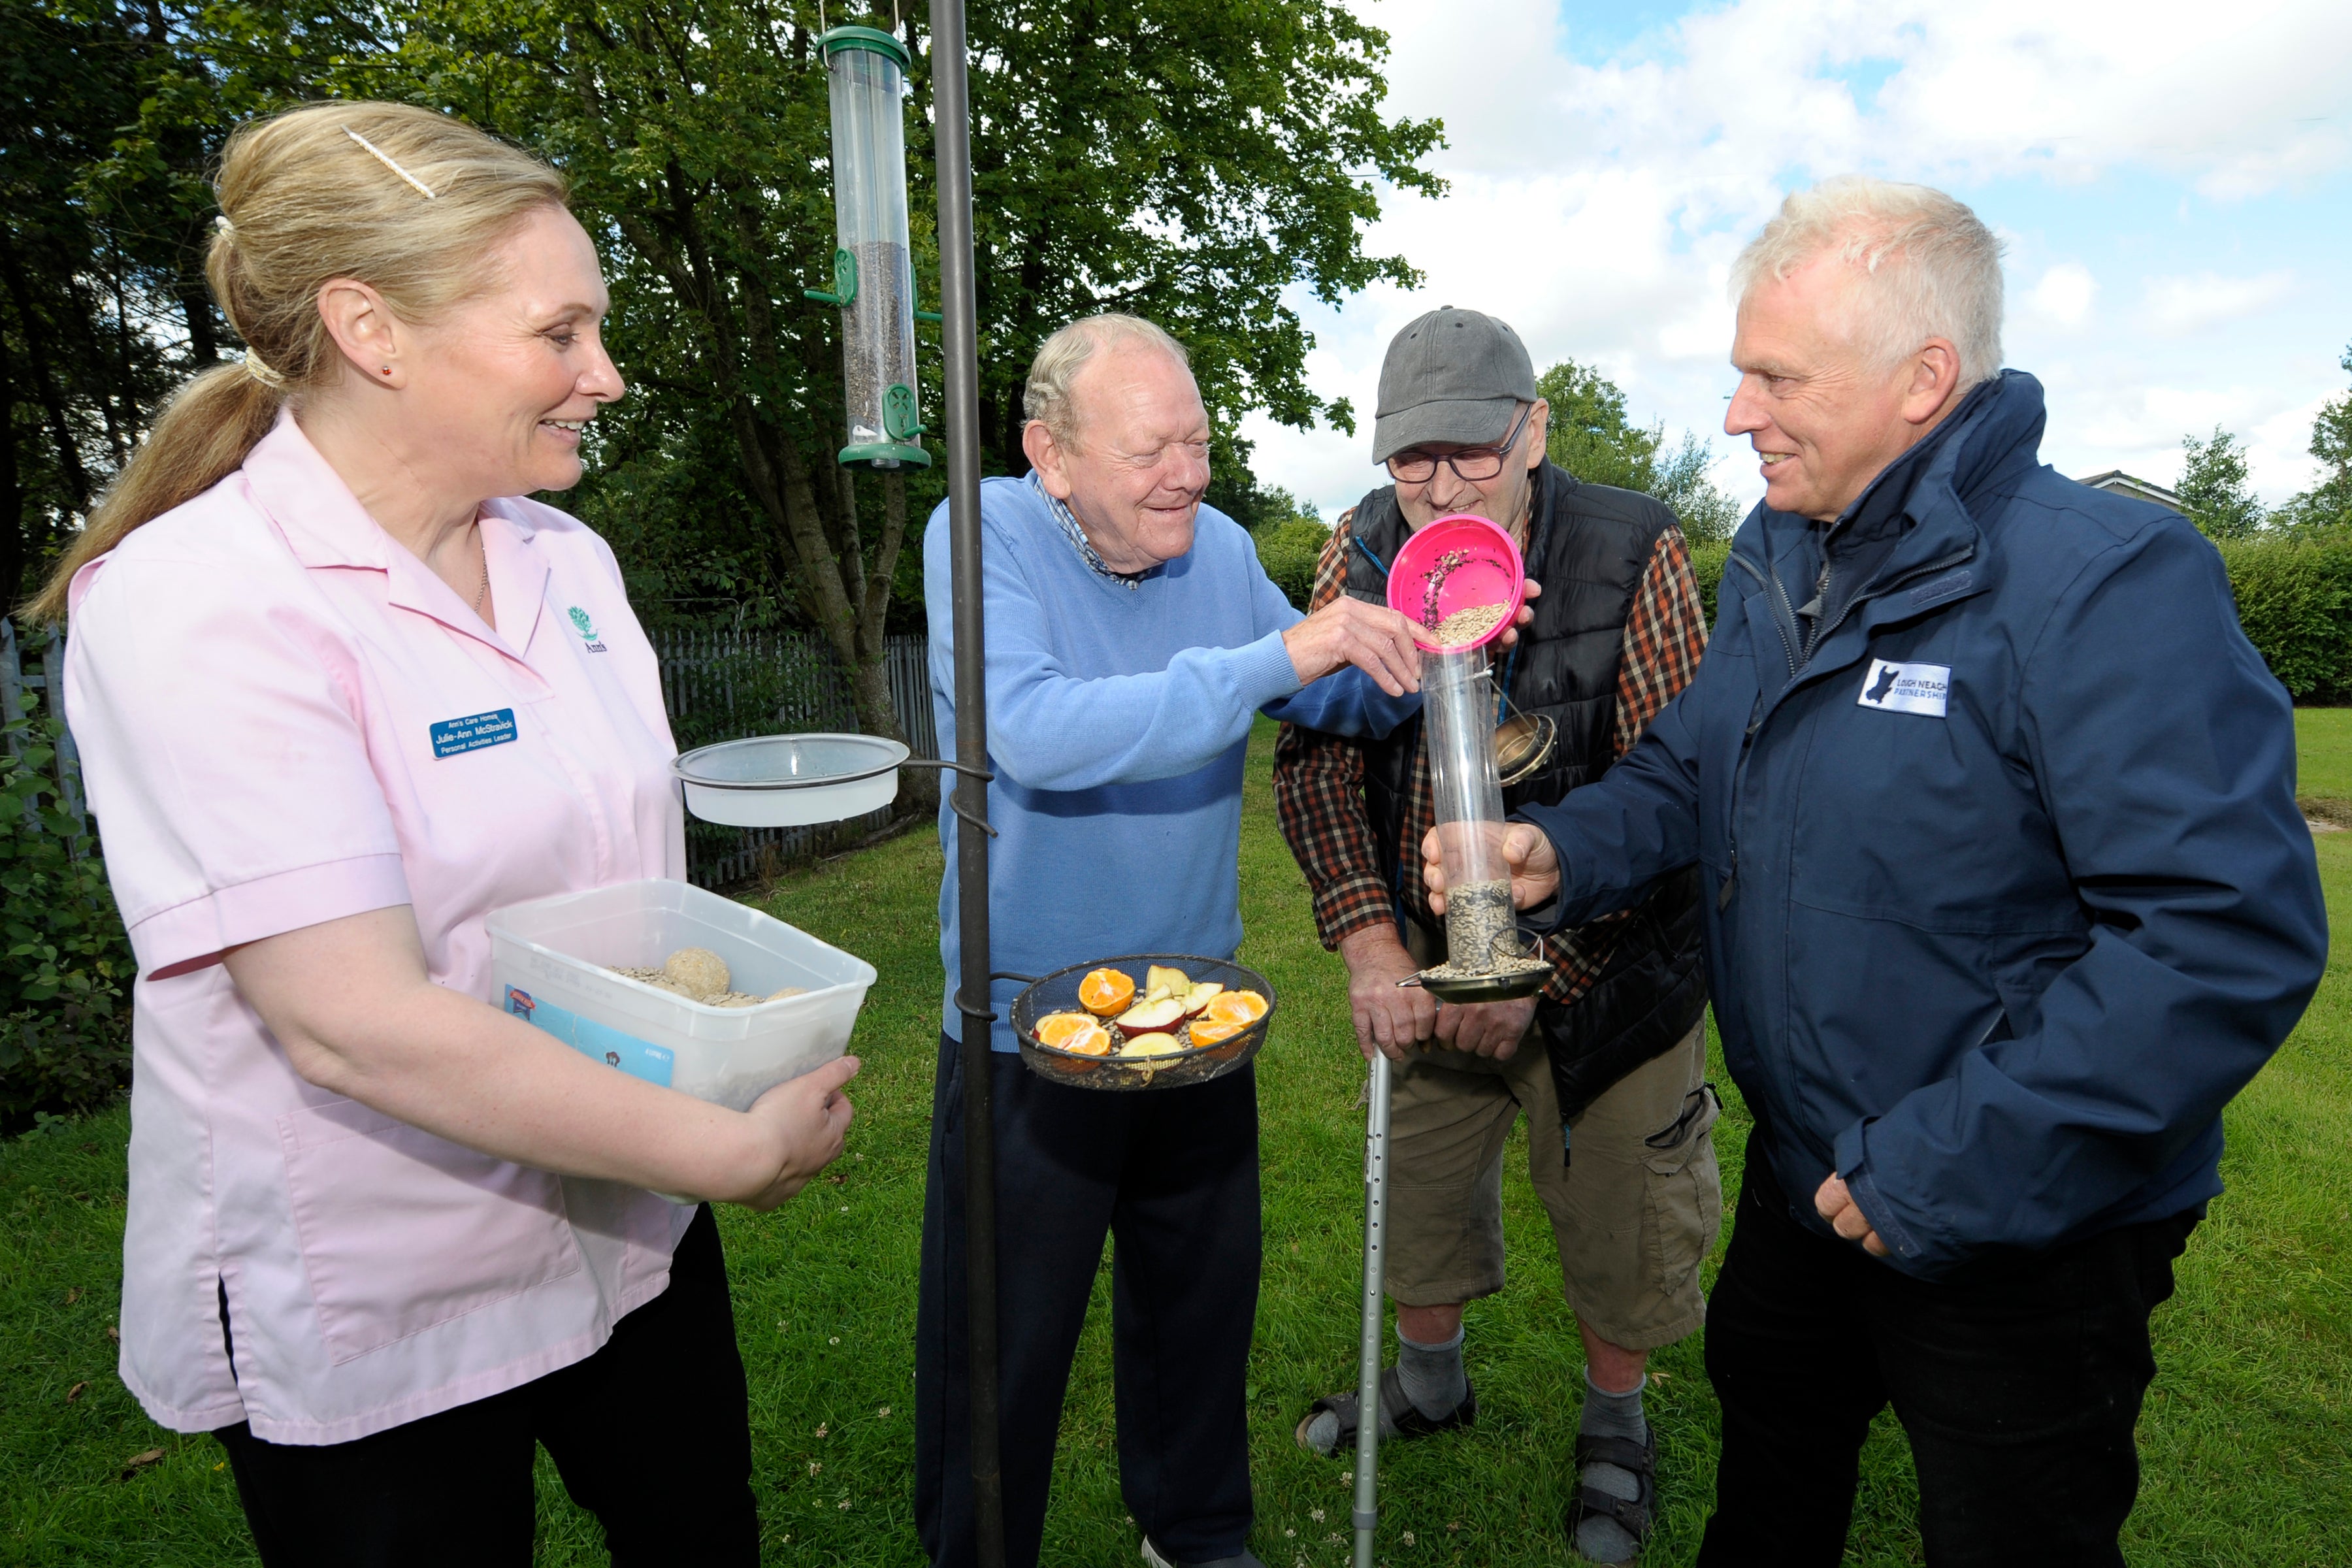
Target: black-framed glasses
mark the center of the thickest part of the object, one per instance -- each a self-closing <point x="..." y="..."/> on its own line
<point x="1473" y="465"/>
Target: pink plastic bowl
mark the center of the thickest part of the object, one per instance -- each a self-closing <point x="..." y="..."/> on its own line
<point x="1490" y="572"/>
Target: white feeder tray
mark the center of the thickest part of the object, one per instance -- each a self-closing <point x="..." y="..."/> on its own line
<point x="791" y="781"/>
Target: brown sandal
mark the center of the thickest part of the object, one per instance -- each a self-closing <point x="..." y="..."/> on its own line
<point x="1408" y="1423"/>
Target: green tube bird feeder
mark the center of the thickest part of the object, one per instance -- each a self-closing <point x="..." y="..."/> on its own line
<point x="873" y="276"/>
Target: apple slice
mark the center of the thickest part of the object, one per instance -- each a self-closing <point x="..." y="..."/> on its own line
<point x="1146" y="1016"/>
<point x="1155" y="1044"/>
<point x="1200" y="995"/>
<point x="1174" y="982"/>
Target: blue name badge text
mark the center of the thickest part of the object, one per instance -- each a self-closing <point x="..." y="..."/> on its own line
<point x="452" y="736"/>
<point x="638" y="1058"/>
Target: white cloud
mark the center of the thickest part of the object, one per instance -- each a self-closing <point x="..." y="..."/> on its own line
<point x="2179" y="306"/>
<point x="2065" y="295"/>
<point x="2279" y="449"/>
<point x="1597" y="200"/>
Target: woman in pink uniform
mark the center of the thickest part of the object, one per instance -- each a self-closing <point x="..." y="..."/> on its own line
<point x="341" y="694"/>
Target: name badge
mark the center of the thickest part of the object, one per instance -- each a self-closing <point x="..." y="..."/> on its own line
<point x="452" y="736"/>
<point x="1906" y="687"/>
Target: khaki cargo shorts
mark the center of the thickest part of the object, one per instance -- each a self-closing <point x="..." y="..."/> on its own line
<point x="1632" y="1213"/>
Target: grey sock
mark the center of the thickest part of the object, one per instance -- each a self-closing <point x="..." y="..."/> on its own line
<point x="1433" y="1375"/>
<point x="1608" y="1414"/>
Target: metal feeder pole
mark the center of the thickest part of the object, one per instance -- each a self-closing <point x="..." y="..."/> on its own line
<point x="1367" y="1369"/>
<point x="959" y="351"/>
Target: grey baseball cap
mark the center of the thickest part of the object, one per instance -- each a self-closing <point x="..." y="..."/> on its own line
<point x="1453" y="377"/>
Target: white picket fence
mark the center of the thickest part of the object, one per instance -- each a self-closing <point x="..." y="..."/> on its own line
<point x="719" y="684"/>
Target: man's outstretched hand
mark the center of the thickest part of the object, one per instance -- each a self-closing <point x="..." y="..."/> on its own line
<point x="1372" y="637"/>
<point x="1535" y="867"/>
<point x="1375" y="639"/>
<point x="1835" y="1204"/>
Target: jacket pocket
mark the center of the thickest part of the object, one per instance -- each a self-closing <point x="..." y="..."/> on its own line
<point x="400" y="1230"/>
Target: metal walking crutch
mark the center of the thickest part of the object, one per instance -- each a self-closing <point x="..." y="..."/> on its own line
<point x="1367" y="1369"/>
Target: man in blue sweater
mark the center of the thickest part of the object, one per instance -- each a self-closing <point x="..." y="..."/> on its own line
<point x="2006" y="895"/>
<point x="1131" y="639"/>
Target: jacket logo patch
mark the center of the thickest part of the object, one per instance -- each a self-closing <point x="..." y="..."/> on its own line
<point x="1906" y="687"/>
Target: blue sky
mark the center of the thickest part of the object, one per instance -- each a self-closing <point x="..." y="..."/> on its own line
<point x="2175" y="196"/>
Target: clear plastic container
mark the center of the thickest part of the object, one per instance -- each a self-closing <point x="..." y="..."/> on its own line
<point x="550" y="960"/>
<point x="873" y="272"/>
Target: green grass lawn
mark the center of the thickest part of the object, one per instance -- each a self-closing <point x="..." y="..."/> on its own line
<point x="2244" y="1441"/>
<point x="2322" y="745"/>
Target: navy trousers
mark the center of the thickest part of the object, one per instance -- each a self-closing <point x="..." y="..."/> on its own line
<point x="1171" y="1176"/>
<point x="2018" y="1381"/>
<point x="651" y="1434"/>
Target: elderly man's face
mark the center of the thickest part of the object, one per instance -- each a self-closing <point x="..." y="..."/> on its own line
<point x="1135" y="470"/>
<point x="1825" y="419"/>
<point x="1505" y="498"/>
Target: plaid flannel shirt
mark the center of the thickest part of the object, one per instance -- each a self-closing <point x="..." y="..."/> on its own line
<point x="1319" y="779"/>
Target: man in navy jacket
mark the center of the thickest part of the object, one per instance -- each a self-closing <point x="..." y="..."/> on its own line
<point x="2007" y="894"/>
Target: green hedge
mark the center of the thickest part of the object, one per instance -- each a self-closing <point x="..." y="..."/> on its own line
<point x="1288" y="551"/>
<point x="65" y="964"/>
<point x="2294" y="599"/>
<point x="1708" y="561"/>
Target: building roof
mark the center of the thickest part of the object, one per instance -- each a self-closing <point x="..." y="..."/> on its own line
<point x="2124" y="484"/>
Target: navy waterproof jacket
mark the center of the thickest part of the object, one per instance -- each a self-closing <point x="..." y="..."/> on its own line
<point x="2007" y="891"/>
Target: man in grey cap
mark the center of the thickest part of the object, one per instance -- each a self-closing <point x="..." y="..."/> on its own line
<point x="1608" y="1062"/>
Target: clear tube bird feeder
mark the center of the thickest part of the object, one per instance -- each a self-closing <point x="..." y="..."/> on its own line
<point x="873" y="276"/>
<point x="1486" y="959"/>
<point x="1459" y="578"/>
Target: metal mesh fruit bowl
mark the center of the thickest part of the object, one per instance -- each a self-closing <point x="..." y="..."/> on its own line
<point x="1058" y="993"/>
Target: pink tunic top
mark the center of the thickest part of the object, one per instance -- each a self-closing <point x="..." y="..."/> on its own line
<point x="267" y="690"/>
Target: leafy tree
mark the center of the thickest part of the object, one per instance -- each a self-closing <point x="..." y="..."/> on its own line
<point x="1593" y="438"/>
<point x="2213" y="489"/>
<point x="1186" y="160"/>
<point x="1680" y="480"/>
<point x="2328" y="503"/>
<point x="77" y="365"/>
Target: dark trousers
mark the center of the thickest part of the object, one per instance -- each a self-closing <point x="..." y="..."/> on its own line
<point x="2018" y="1381"/>
<point x="1171" y="1176"/>
<point x="651" y="1435"/>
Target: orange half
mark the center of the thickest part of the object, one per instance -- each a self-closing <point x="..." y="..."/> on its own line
<point x="1210" y="1031"/>
<point x="1094" y="1040"/>
<point x="1055" y="1028"/>
<point x="1242" y="1007"/>
<point x="1105" y="992"/>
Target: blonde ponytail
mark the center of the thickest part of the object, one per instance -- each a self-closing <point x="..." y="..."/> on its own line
<point x="401" y="198"/>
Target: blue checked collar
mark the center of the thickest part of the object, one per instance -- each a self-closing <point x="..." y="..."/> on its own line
<point x="1077" y="537"/>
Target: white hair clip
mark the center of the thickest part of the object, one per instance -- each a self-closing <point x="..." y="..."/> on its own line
<point x="220" y="222"/>
<point x="261" y="373"/>
<point x="388" y="161"/>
